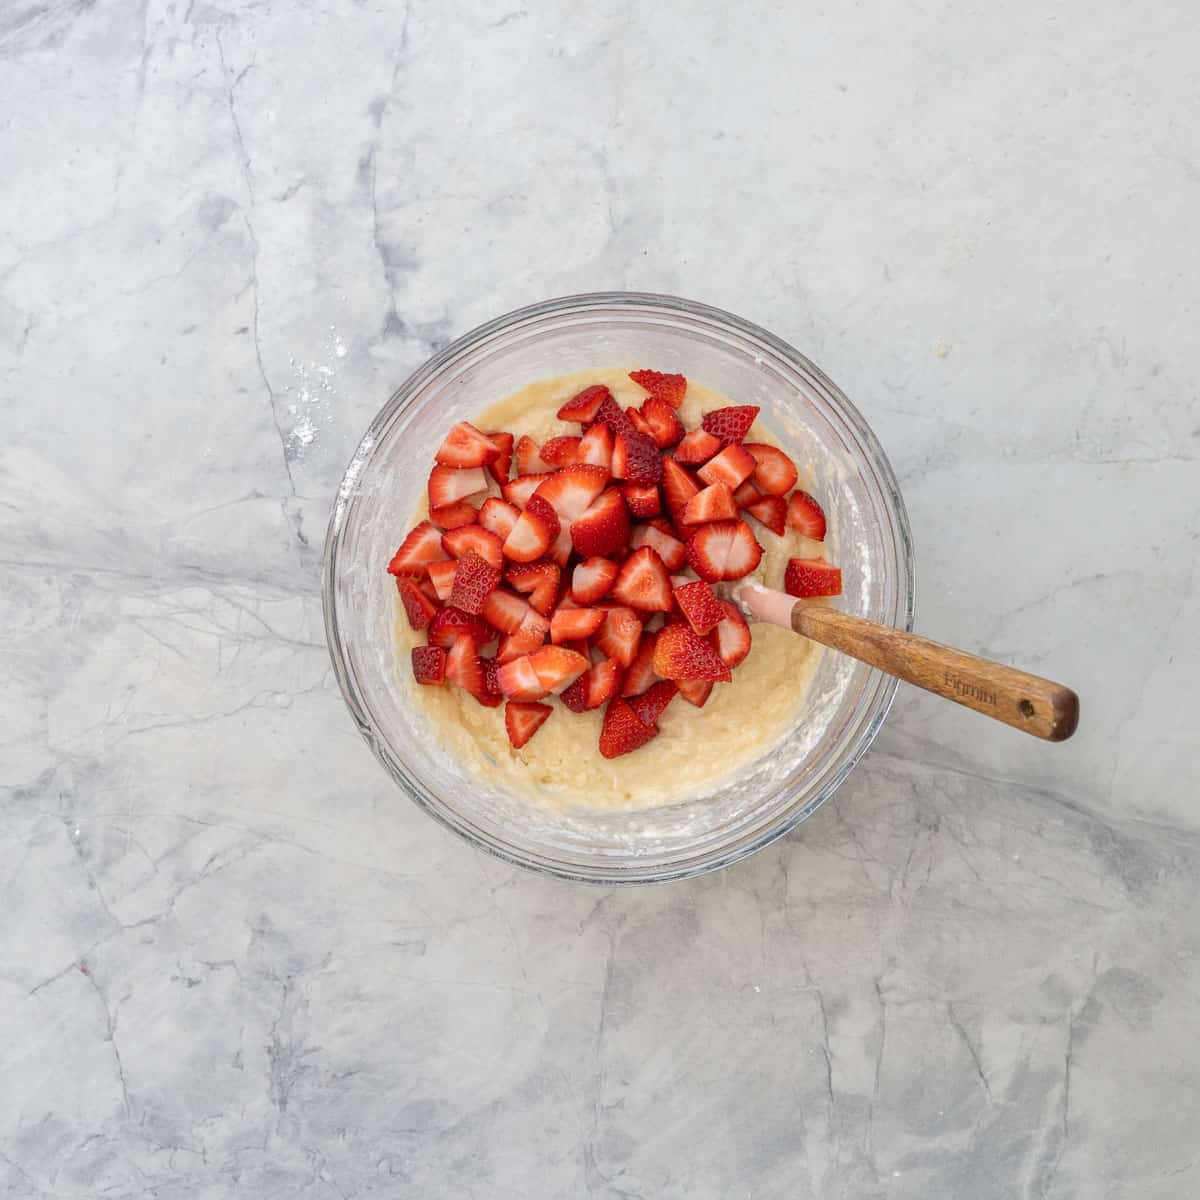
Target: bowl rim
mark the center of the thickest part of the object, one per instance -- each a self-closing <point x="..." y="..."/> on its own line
<point x="885" y="687"/>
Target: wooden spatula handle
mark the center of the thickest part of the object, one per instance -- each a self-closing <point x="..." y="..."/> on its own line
<point x="1027" y="702"/>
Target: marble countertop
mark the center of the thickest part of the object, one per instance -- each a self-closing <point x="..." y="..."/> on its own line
<point x="235" y="961"/>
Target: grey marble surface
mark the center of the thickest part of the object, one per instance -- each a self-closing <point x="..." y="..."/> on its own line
<point x="234" y="961"/>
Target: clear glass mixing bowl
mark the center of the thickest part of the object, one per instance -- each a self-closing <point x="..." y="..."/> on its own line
<point x="868" y="535"/>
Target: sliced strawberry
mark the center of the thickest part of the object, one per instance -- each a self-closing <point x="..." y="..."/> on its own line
<point x="466" y="446"/>
<point x="449" y="623"/>
<point x="575" y="696"/>
<point x="573" y="624"/>
<point x="639" y="422"/>
<point x="518" y="679"/>
<point x="636" y="459"/>
<point x="441" y="575"/>
<point x="579" y="646"/>
<point x="731" y="638"/>
<point x="662" y="423"/>
<point x="723" y="550"/>
<point x="806" y="516"/>
<point x="682" y="654"/>
<point x="812" y="577"/>
<point x="775" y="473"/>
<point x="620" y="634"/>
<point x="651" y="704"/>
<point x="730" y="424"/>
<point x="596" y="447"/>
<point x="561" y="451"/>
<point x="731" y="466"/>
<point x="614" y="416"/>
<point x="666" y="545"/>
<point x="603" y="529"/>
<point x="644" y="582"/>
<point x="534" y="532"/>
<point x="592" y="579"/>
<point x="428" y="664"/>
<point x="771" y="511"/>
<point x="498" y="516"/>
<point x="713" y="503"/>
<point x="641" y="673"/>
<point x="463" y="666"/>
<point x="678" y="488"/>
<point x="538" y="581"/>
<point x="427" y="585"/>
<point x="500" y="468"/>
<point x="698" y="602"/>
<point x="557" y="667"/>
<point x="697" y="447"/>
<point x="530" y="636"/>
<point x="490" y="696"/>
<point x="603" y="682"/>
<point x="474" y="581"/>
<point x="695" y="691"/>
<point x="517" y="491"/>
<point x="584" y="406"/>
<point x="560" y="551"/>
<point x="746" y="494"/>
<point x="529" y="456"/>
<point x="572" y="491"/>
<point x="422" y="546"/>
<point x="669" y="388"/>
<point x="622" y="731"/>
<point x="504" y="611"/>
<point x="451" y="516"/>
<point x="448" y="485"/>
<point x="418" y="607"/>
<point x="473" y="538"/>
<point x="642" y="499"/>
<point x="522" y="719"/>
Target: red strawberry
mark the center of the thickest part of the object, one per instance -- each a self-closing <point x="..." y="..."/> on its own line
<point x="775" y="473"/>
<point x="561" y="451"/>
<point x="572" y="491"/>
<point x="592" y="579"/>
<point x="575" y="696"/>
<point x="539" y="582"/>
<point x="580" y="646"/>
<point x="467" y="538"/>
<point x="699" y="603"/>
<point x="678" y="488"/>
<point x="465" y="446"/>
<point x="522" y="719"/>
<point x="666" y="545"/>
<point x="500" y="468"/>
<point x="534" y="532"/>
<point x="649" y="706"/>
<point x="453" y="515"/>
<point x="723" y="550"/>
<point x="618" y="637"/>
<point x="682" y="654"/>
<point x="441" y="575"/>
<point x="731" y="466"/>
<point x="498" y="516"/>
<point x="746" y="494"/>
<point x="517" y="491"/>
<point x="595" y="447"/>
<point x="490" y="696"/>
<point x="669" y="388"/>
<point x="529" y="456"/>
<point x="812" y="577"/>
<point x="806" y="515"/>
<point x="730" y="424"/>
<point x="428" y="664"/>
<point x="697" y="447"/>
<point x="695" y="691"/>
<point x="422" y="546"/>
<point x="639" y="422"/>
<point x="661" y="422"/>
<point x="560" y="551"/>
<point x="771" y="511"/>
<point x="583" y="407"/>
<point x="463" y="666"/>
<point x="731" y="638"/>
<point x="636" y="459"/>
<point x="642" y="499"/>
<point x="449" y="623"/>
<point x="643" y="582"/>
<point x="572" y="624"/>
<point x="504" y="611"/>
<point x="622" y="731"/>
<point x="474" y="581"/>
<point x="418" y="607"/>
<point x="529" y="637"/>
<point x="557" y="667"/>
<point x="603" y="682"/>
<point x="641" y="673"/>
<point x="713" y="503"/>
<point x="427" y="585"/>
<point x="447" y="485"/>
<point x="604" y="529"/>
<point x="613" y="415"/>
<point x="518" y="680"/>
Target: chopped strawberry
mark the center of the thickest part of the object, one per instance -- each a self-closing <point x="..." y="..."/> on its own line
<point x="467" y="538"/>
<point x="500" y="468"/>
<point x="596" y="447"/>
<point x="730" y="424"/>
<point x="622" y="731"/>
<point x="538" y="581"/>
<point x="418" y="607"/>
<point x="723" y="550"/>
<point x="698" y="602"/>
<point x="812" y="577"/>
<point x="427" y="585"/>
<point x="642" y="499"/>
<point x="498" y="516"/>
<point x="669" y="388"/>
<point x="651" y="704"/>
<point x="451" y="516"/>
<point x="643" y="582"/>
<point x="422" y="546"/>
<point x="666" y="545"/>
<point x="584" y="406"/>
<point x="518" y="679"/>
<point x="557" y="667"/>
<point x="592" y="579"/>
<point x="713" y="503"/>
<point x="449" y="623"/>
<point x="731" y="466"/>
<point x="619" y="635"/>
<point x="428" y="664"/>
<point x="530" y="635"/>
<point x="636" y="459"/>
<point x="466" y="446"/>
<point x="678" y="488"/>
<point x="490" y="696"/>
<point x="474" y="581"/>
<point x="604" y="528"/>
<point x="561" y="451"/>
<point x="579" y="646"/>
<point x="641" y="673"/>
<point x="775" y="473"/>
<point x="663" y="525"/>
<point x="571" y="491"/>
<point x="697" y="447"/>
<point x="575" y="696"/>
<point x="682" y="654"/>
<point x="504" y="611"/>
<point x="746" y="494"/>
<point x="639" y="422"/>
<point x="771" y="511"/>
<point x="522" y="719"/>
<point x="448" y="485"/>
<point x="662" y="423"/>
<point x="731" y="637"/>
<point x="560" y="550"/>
<point x="441" y="575"/>
<point x="695" y="691"/>
<point x="596" y="686"/>
<point x="517" y="491"/>
<point x="572" y="624"/>
<point x="613" y="415"/>
<point x="463" y="666"/>
<point x="806" y="516"/>
<point x="534" y="532"/>
<point x="528" y="455"/>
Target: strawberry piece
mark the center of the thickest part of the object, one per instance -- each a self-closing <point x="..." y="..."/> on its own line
<point x="418" y="607"/>
<point x="622" y="731"/>
<point x="812" y="577"/>
<point x="678" y="488"/>
<point x="557" y="667"/>
<point x="522" y="719"/>
<point x="448" y="485"/>
<point x="731" y="637"/>
<point x="584" y="406"/>
<point x="771" y="511"/>
<point x="573" y="624"/>
<point x="697" y="447"/>
<point x="698" y="602"/>
<point x="641" y="673"/>
<point x="639" y="422"/>
<point x="695" y="691"/>
<point x="575" y="696"/>
<point x="422" y="546"/>
<point x="500" y="468"/>
<point x="669" y="388"/>
<point x="451" y="623"/>
<point x="534" y="532"/>
<point x="539" y="582"/>
<point x="530" y="636"/>
<point x="490" y="696"/>
<point x="635" y="458"/>
<point x="464" y="667"/>
<point x="427" y="586"/>
<point x="441" y="575"/>
<point x="746" y="494"/>
<point x="560" y="552"/>
<point x="518" y="679"/>
<point x="466" y="446"/>
<point x="643" y="582"/>
<point x="451" y="516"/>
<point x="666" y="545"/>
<point x="561" y="451"/>
<point x="604" y="529"/>
<point x="642" y="499"/>
<point x="474" y="581"/>
<point x="517" y="491"/>
<point x="713" y="503"/>
<point x="592" y="579"/>
<point x="614" y="416"/>
<point x="498" y="516"/>
<point x="572" y="491"/>
<point x="528" y="455"/>
<point x="731" y="466"/>
<point x="775" y="473"/>
<point x="730" y="424"/>
<point x="651" y="704"/>
<point x="619" y="636"/>
<point x="504" y="611"/>
<point x="596" y="447"/>
<point x="682" y="654"/>
<point x="428" y="664"/>
<point x="602" y="682"/>
<point x="661" y="422"/>
<point x="806" y="516"/>
<point x="723" y="550"/>
<point x="468" y="539"/>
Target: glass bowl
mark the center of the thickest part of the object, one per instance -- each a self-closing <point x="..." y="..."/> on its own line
<point x="868" y="536"/>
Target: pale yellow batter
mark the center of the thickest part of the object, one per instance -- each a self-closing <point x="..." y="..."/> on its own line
<point x="695" y="747"/>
